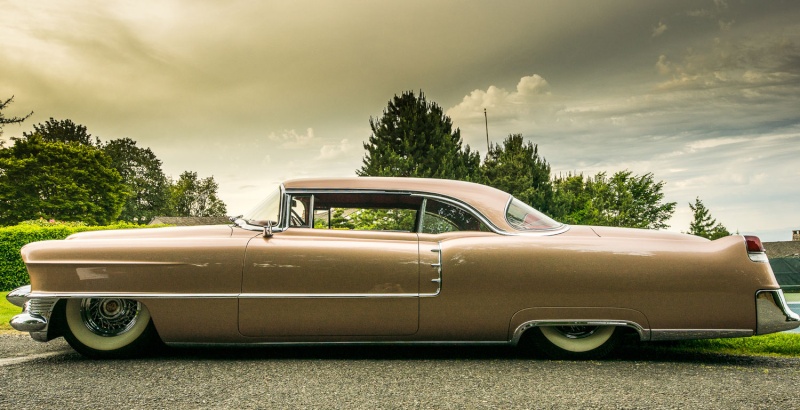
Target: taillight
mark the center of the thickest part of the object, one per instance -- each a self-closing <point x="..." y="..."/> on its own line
<point x="755" y="249"/>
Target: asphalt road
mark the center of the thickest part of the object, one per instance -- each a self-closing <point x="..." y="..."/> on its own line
<point x="51" y="375"/>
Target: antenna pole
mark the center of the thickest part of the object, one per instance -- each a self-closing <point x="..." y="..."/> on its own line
<point x="486" y="119"/>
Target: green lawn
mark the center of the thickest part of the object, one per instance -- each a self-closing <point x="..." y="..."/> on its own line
<point x="7" y="311"/>
<point x="776" y="344"/>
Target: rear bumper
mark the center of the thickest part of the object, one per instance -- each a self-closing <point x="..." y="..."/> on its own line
<point x="773" y="314"/>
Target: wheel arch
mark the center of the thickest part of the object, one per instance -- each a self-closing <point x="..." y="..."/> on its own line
<point x="530" y="318"/>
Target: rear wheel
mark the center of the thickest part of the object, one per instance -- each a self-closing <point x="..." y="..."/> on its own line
<point x="109" y="328"/>
<point x="575" y="342"/>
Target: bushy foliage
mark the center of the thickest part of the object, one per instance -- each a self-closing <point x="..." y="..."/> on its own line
<point x="12" y="238"/>
<point x="67" y="181"/>
<point x="623" y="200"/>
<point x="148" y="187"/>
<point x="191" y="195"/>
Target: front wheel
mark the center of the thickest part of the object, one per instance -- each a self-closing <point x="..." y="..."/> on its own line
<point x="575" y="342"/>
<point x="109" y="328"/>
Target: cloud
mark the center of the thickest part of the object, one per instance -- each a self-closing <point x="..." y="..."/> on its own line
<point x="291" y="139"/>
<point x="660" y="29"/>
<point x="331" y="151"/>
<point x="762" y="61"/>
<point x="502" y="103"/>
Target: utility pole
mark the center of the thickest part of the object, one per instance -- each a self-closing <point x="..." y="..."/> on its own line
<point x="486" y="119"/>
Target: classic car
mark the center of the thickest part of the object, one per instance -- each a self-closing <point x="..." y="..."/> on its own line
<point x="395" y="260"/>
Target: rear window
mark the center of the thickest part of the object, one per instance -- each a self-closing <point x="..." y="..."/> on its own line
<point x="523" y="217"/>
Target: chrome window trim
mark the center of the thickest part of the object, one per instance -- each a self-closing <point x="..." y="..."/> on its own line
<point x="446" y="199"/>
<point x="466" y="207"/>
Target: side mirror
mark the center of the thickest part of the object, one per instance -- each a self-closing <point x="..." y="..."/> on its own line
<point x="268" y="229"/>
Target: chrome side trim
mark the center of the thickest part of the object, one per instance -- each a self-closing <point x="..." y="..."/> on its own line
<point x="438" y="266"/>
<point x="162" y="295"/>
<point x="348" y="343"/>
<point x="644" y="334"/>
<point x="773" y="314"/>
<point x="132" y="295"/>
<point x="690" y="334"/>
<point x="325" y="295"/>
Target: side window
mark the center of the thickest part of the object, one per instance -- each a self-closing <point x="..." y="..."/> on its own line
<point x="440" y="217"/>
<point x="299" y="206"/>
<point x="366" y="211"/>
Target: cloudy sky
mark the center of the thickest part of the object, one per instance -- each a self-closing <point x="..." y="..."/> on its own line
<point x="704" y="94"/>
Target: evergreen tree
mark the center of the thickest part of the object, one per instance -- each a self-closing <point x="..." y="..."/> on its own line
<point x="141" y="173"/>
<point x="62" y="131"/>
<point x="9" y="120"/>
<point x="516" y="168"/>
<point x="54" y="180"/>
<point x="703" y="225"/>
<point x="414" y="138"/>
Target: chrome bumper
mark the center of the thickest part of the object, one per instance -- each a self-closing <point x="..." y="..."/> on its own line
<point x="773" y="314"/>
<point x="35" y="315"/>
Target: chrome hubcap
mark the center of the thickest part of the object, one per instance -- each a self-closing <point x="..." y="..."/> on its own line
<point x="109" y="317"/>
<point x="576" y="332"/>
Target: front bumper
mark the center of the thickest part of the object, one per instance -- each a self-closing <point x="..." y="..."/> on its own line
<point x="773" y="314"/>
<point x="35" y="316"/>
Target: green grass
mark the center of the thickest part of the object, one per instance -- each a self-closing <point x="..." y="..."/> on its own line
<point x="776" y="344"/>
<point x="7" y="311"/>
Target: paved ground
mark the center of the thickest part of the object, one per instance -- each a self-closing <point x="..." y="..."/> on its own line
<point x="35" y="375"/>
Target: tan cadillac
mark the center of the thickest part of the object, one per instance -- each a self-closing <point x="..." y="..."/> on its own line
<point x="395" y="260"/>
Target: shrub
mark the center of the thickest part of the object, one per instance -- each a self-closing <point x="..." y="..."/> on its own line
<point x="12" y="238"/>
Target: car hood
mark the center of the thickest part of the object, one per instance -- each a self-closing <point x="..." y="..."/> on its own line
<point x="162" y="233"/>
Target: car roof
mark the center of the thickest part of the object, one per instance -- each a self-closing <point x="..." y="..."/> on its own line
<point x="490" y="202"/>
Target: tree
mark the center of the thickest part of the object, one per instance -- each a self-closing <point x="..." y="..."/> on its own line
<point x="634" y="201"/>
<point x="191" y="196"/>
<point x="54" y="180"/>
<point x="61" y="131"/>
<point x="141" y="173"/>
<point x="10" y="120"/>
<point x="414" y="138"/>
<point x="703" y="225"/>
<point x="516" y="168"/>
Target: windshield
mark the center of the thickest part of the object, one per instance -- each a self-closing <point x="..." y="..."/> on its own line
<point x="523" y="217"/>
<point x="267" y="210"/>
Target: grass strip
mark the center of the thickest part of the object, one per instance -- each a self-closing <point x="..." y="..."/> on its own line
<point x="775" y="344"/>
<point x="7" y="311"/>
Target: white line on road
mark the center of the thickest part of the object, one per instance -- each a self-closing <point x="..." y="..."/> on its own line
<point x="22" y="359"/>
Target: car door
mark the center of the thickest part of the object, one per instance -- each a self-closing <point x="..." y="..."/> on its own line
<point x="324" y="282"/>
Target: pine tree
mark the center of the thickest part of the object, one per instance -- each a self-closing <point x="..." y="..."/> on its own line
<point x="516" y="167"/>
<point x="702" y="223"/>
<point x="414" y="138"/>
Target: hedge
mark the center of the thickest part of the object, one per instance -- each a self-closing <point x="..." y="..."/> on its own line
<point x="12" y="238"/>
